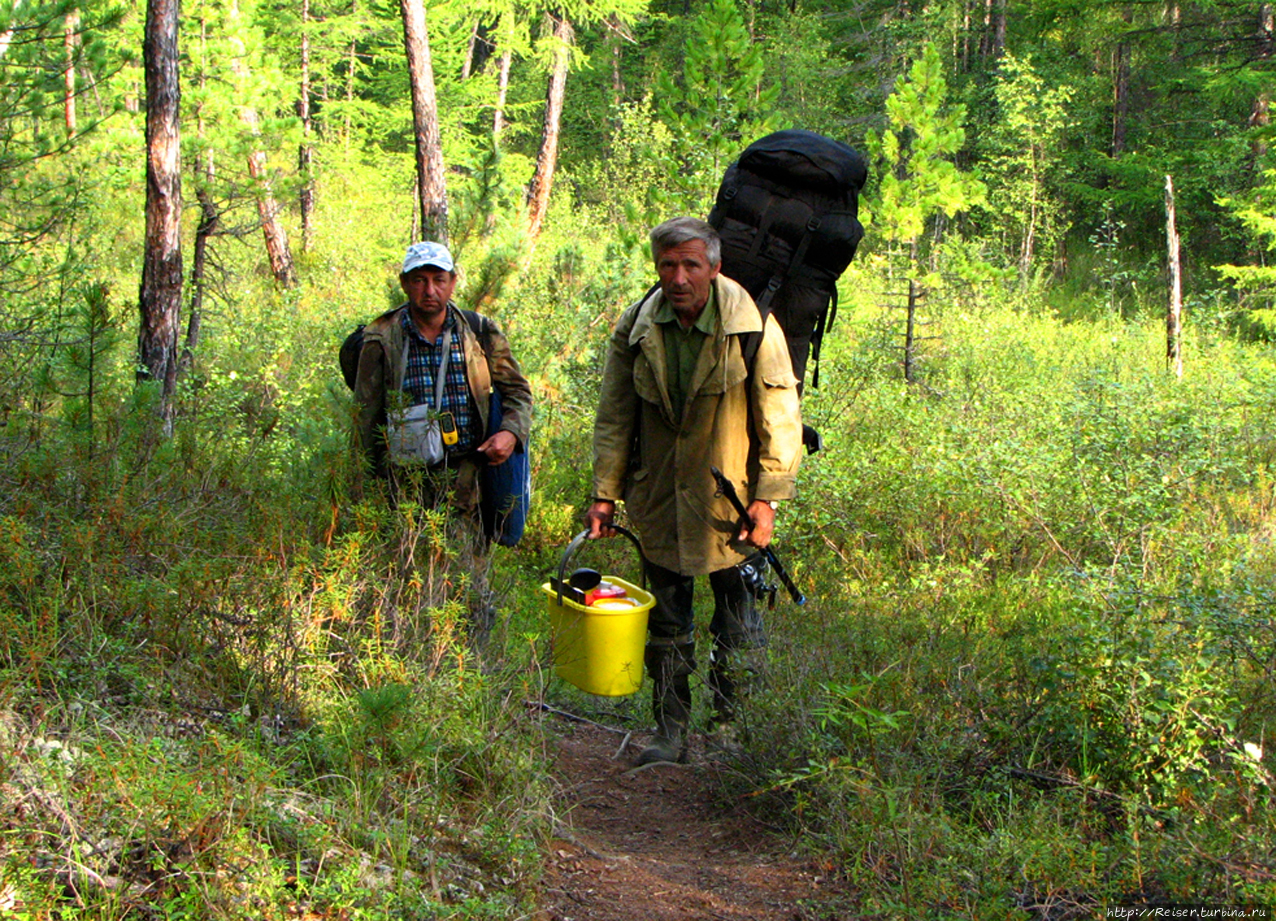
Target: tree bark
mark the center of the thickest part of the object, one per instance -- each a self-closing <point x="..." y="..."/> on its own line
<point x="160" y="296"/>
<point x="305" y="153"/>
<point x="431" y="183"/>
<point x="278" y="250"/>
<point x="617" y="79"/>
<point x="502" y="88"/>
<point x="68" y="75"/>
<point x="276" y="237"/>
<point x="1121" y="92"/>
<point x="993" y="43"/>
<point x="998" y="29"/>
<point x="477" y="52"/>
<point x="547" y="159"/>
<point x="1174" y="315"/>
<point x="910" y="333"/>
<point x="353" y="62"/>
<point x="1260" y="114"/>
<point x="209" y="218"/>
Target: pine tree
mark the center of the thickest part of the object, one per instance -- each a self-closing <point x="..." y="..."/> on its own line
<point x="1022" y="152"/>
<point x="919" y="180"/>
<point x="717" y="105"/>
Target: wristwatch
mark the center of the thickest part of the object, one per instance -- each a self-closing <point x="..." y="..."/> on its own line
<point x="774" y="505"/>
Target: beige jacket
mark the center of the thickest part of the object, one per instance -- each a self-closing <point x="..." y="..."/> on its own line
<point x="659" y="466"/>
<point x="379" y="373"/>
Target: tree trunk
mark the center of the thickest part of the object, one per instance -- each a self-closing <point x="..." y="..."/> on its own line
<point x="68" y="75"/>
<point x="998" y="28"/>
<point x="467" y="66"/>
<point x="617" y="80"/>
<point x="305" y="154"/>
<point x="1174" y="16"/>
<point x="502" y="87"/>
<point x="1174" y="315"/>
<point x="993" y="43"/>
<point x="160" y="297"/>
<point x="276" y="237"/>
<point x="350" y="71"/>
<point x="352" y="66"/>
<point x="1121" y="91"/>
<point x="477" y="52"/>
<point x="209" y="218"/>
<point x="547" y="159"/>
<point x="910" y="333"/>
<point x="1260" y="114"/>
<point x="431" y="184"/>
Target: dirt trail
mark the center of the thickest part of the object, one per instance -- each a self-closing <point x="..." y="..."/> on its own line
<point x="657" y="844"/>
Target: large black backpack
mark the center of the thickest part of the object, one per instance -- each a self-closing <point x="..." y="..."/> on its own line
<point x="788" y="215"/>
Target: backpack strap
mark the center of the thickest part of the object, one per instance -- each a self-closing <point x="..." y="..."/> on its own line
<point x="482" y="329"/>
<point x="749" y="343"/>
<point x="479" y="326"/>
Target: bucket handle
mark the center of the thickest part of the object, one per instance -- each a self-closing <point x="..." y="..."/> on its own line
<point x="580" y="539"/>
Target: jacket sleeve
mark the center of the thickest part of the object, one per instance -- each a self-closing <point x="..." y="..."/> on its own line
<point x="777" y="417"/>
<point x="617" y="415"/>
<point x="508" y="379"/>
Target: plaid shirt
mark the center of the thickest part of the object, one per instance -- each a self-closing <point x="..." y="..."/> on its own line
<point x="423" y="366"/>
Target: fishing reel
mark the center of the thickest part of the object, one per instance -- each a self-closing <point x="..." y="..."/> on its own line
<point x="754" y="572"/>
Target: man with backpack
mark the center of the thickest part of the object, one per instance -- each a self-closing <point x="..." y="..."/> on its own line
<point x="695" y="378"/>
<point x="425" y="376"/>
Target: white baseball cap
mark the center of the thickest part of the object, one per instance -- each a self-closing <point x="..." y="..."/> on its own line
<point x="435" y="255"/>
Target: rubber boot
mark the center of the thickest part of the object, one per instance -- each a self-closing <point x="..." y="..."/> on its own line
<point x="732" y="675"/>
<point x="670" y="668"/>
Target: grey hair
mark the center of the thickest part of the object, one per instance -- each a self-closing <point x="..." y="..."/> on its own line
<point x="679" y="230"/>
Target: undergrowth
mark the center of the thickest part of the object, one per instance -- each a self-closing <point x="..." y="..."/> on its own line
<point x="1034" y="677"/>
<point x="1040" y="681"/>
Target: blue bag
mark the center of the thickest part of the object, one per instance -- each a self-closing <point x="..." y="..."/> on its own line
<point x="506" y="488"/>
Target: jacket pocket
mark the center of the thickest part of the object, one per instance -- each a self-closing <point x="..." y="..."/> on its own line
<point x="645" y="382"/>
<point x="779" y="380"/>
<point x="730" y="371"/>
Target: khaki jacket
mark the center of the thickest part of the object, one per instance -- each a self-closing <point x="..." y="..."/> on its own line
<point x="380" y="365"/>
<point x="659" y="466"/>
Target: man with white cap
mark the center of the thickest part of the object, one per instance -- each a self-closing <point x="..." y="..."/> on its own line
<point x="426" y="373"/>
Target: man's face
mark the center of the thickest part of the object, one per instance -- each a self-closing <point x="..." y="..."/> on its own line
<point x="686" y="275"/>
<point x="428" y="289"/>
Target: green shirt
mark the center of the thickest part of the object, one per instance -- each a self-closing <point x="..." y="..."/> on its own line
<point x="682" y="347"/>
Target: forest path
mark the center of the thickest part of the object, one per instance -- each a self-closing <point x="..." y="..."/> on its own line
<point x="663" y="843"/>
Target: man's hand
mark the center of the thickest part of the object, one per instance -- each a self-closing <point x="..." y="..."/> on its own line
<point x="759" y="531"/>
<point x="499" y="447"/>
<point x="599" y="518"/>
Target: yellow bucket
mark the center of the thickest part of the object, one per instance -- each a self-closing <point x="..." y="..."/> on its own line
<point x="599" y="647"/>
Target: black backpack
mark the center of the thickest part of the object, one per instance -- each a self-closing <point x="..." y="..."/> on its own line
<point x="788" y="215"/>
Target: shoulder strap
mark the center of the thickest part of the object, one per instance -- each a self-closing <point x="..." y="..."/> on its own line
<point x="478" y="322"/>
<point x="440" y="376"/>
<point x="480" y="327"/>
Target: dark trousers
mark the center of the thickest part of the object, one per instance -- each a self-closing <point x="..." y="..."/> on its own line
<point x="736" y="623"/>
<point x="736" y="628"/>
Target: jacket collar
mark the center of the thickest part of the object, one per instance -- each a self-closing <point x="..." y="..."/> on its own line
<point x="736" y="311"/>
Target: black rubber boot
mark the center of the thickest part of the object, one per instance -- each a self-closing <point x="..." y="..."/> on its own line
<point x="670" y="668"/>
<point x="732" y="675"/>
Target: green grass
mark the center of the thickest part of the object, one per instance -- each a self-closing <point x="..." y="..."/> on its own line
<point x="1034" y="675"/>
